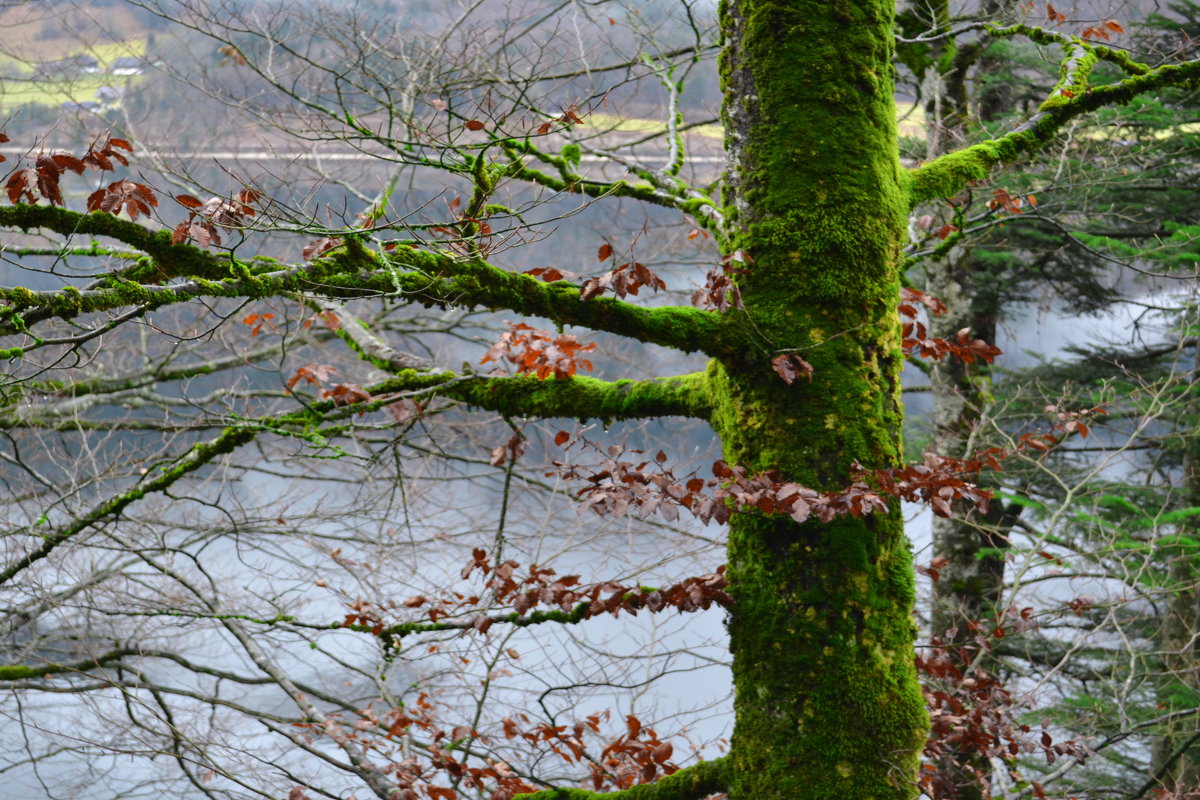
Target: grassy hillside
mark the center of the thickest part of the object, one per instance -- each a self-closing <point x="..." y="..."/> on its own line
<point x="37" y="33"/>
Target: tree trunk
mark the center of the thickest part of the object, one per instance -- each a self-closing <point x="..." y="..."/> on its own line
<point x="1175" y="755"/>
<point x="822" y="634"/>
<point x="971" y="566"/>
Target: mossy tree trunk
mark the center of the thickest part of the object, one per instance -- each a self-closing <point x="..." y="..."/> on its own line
<point x="827" y="702"/>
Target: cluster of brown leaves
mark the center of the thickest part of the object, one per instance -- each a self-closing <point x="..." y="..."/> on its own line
<point x="205" y="216"/>
<point x="540" y="353"/>
<point x="43" y="178"/>
<point x="617" y="485"/>
<point x="973" y="715"/>
<point x="1003" y="200"/>
<point x="636" y="756"/>
<point x="917" y="341"/>
<point x="342" y="394"/>
<point x="567" y="118"/>
<point x="543" y="586"/>
<point x="538" y="586"/>
<point x="257" y="322"/>
<point x="421" y="775"/>
<point x="1072" y="421"/>
<point x="1102" y="31"/>
<point x="124" y="195"/>
<point x="719" y="292"/>
<point x="791" y="366"/>
<point x="623" y="280"/>
<point x="549" y="274"/>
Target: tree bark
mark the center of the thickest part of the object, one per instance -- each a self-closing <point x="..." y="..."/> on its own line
<point x="1175" y="755"/>
<point x="827" y="701"/>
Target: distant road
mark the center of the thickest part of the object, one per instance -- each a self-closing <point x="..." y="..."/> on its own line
<point x="268" y="155"/>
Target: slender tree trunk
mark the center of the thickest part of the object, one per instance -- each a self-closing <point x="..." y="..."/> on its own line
<point x="1175" y="757"/>
<point x="969" y="550"/>
<point x="827" y="700"/>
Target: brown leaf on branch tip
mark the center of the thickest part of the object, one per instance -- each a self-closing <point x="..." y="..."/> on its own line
<point x="930" y="302"/>
<point x="320" y="246"/>
<point x="345" y="394"/>
<point x="133" y="198"/>
<point x="474" y="125"/>
<point x="256" y="322"/>
<point x="791" y="366"/>
<point x="605" y="252"/>
<point x="22" y="183"/>
<point x="66" y="162"/>
<point x="499" y="453"/>
<point x="624" y="280"/>
<point x="547" y="274"/>
<point x="187" y="201"/>
<point x="561" y="438"/>
<point x="540" y="353"/>
<point x="312" y="373"/>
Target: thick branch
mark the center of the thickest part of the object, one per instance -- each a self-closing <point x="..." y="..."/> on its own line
<point x="173" y="259"/>
<point x="390" y="634"/>
<point x="696" y="781"/>
<point x="417" y="275"/>
<point x="578" y="397"/>
<point x="18" y="672"/>
<point x="948" y="175"/>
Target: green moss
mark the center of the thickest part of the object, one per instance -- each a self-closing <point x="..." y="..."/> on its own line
<point x="578" y="397"/>
<point x="21" y="672"/>
<point x="691" y="783"/>
<point x="821" y="632"/>
<point x="572" y="154"/>
<point x="948" y="175"/>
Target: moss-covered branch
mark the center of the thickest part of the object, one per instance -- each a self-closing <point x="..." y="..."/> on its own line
<point x="1120" y="58"/>
<point x="172" y="259"/>
<point x="399" y="631"/>
<point x="578" y="397"/>
<point x="22" y="672"/>
<point x="948" y="175"/>
<point x="690" y="783"/>
<point x="684" y="395"/>
<point x="416" y="275"/>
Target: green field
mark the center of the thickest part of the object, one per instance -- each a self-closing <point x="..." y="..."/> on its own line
<point x="26" y="87"/>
